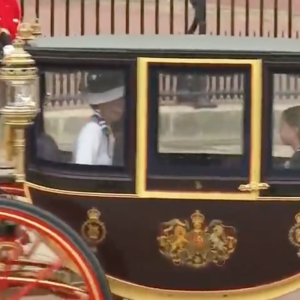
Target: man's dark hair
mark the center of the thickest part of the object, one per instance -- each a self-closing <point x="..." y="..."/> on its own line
<point x="5" y="39"/>
<point x="292" y="117"/>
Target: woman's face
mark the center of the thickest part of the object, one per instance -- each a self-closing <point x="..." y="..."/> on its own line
<point x="113" y="111"/>
<point x="288" y="134"/>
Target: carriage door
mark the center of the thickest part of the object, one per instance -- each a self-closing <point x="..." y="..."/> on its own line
<point x="199" y="130"/>
<point x="281" y="131"/>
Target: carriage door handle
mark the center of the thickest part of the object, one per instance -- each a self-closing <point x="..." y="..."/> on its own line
<point x="253" y="187"/>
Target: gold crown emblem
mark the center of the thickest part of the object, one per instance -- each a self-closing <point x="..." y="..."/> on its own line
<point x="297" y="217"/>
<point x="93" y="214"/>
<point x="197" y="217"/>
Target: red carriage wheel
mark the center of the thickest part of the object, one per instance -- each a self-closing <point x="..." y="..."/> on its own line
<point x="41" y="255"/>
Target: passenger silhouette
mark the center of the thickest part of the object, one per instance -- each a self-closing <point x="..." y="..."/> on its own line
<point x="290" y="134"/>
<point x="95" y="144"/>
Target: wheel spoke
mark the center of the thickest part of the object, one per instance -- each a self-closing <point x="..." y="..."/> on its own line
<point x="8" y="268"/>
<point x="33" y="248"/>
<point x="38" y="258"/>
<point x="41" y="275"/>
<point x="35" y="244"/>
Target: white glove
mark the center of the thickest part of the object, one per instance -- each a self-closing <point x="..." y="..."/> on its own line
<point x="8" y="49"/>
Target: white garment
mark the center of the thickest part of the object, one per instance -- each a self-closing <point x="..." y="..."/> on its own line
<point x="8" y="49"/>
<point x="93" y="147"/>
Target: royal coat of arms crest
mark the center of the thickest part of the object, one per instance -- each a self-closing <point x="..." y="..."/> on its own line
<point x="196" y="244"/>
<point x="294" y="234"/>
<point x="93" y="230"/>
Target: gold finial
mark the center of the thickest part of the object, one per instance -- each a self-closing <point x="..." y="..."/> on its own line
<point x="297" y="218"/>
<point x="25" y="32"/>
<point x="18" y="43"/>
<point x="93" y="214"/>
<point x="197" y="218"/>
<point x="18" y="65"/>
<point x="36" y="28"/>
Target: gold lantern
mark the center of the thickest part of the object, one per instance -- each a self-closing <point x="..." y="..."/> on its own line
<point x="20" y="75"/>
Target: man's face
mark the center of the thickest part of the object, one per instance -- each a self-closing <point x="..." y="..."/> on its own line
<point x="288" y="134"/>
<point x="113" y="111"/>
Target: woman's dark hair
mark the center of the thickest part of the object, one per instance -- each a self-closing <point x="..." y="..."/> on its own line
<point x="94" y="107"/>
<point x="292" y="117"/>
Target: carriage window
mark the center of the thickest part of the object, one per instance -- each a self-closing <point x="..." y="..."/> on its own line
<point x="199" y="122"/>
<point x="83" y="118"/>
<point x="286" y="121"/>
<point x="198" y="126"/>
<point x="201" y="113"/>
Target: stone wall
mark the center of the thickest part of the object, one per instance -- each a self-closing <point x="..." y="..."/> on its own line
<point x="181" y="128"/>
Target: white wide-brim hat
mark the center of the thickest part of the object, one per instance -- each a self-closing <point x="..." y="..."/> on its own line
<point x="105" y="97"/>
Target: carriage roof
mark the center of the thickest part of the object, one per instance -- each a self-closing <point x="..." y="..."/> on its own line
<point x="180" y="43"/>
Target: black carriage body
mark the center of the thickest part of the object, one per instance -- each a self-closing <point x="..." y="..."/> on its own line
<point x="247" y="191"/>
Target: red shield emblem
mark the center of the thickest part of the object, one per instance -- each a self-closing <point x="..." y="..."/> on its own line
<point x="198" y="240"/>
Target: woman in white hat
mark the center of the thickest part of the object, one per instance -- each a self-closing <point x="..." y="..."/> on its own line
<point x="105" y="95"/>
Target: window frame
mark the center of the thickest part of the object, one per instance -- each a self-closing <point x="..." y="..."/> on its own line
<point x="145" y="136"/>
<point x="284" y="183"/>
<point x="104" y="179"/>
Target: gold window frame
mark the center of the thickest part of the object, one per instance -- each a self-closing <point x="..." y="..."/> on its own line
<point x="142" y="136"/>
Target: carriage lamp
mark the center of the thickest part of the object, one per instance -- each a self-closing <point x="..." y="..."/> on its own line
<point x="19" y="73"/>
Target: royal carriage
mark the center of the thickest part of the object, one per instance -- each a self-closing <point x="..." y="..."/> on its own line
<point x="204" y="200"/>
